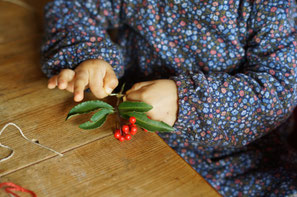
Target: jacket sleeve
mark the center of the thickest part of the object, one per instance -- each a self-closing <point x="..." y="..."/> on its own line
<point x="75" y="31"/>
<point x="221" y="109"/>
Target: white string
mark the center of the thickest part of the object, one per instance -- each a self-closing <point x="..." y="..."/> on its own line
<point x="32" y="141"/>
<point x="10" y="155"/>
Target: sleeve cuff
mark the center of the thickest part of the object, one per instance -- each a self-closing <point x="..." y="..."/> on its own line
<point x="70" y="57"/>
<point x="183" y="120"/>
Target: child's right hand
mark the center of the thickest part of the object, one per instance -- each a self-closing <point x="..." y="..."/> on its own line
<point x="97" y="75"/>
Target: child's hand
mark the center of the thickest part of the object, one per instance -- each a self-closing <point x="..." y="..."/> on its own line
<point x="161" y="94"/>
<point x="98" y="75"/>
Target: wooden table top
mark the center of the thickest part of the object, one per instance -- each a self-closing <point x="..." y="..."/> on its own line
<point x="94" y="163"/>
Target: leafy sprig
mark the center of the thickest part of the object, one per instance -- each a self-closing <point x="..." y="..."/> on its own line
<point x="125" y="109"/>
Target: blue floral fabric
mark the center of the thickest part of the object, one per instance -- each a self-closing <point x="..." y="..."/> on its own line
<point x="234" y="63"/>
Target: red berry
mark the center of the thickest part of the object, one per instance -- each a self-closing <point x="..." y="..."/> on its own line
<point x="117" y="134"/>
<point x="132" y="120"/>
<point x="128" y="137"/>
<point x="145" y="130"/>
<point x="122" y="138"/>
<point x="149" y="117"/>
<point x="125" y="129"/>
<point x="133" y="130"/>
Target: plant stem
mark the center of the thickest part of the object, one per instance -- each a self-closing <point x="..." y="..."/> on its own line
<point x="119" y="96"/>
<point x="118" y="117"/>
<point x="116" y="94"/>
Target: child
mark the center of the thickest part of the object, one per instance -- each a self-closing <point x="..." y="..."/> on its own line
<point x="223" y="72"/>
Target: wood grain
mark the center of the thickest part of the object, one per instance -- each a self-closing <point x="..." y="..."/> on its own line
<point x="144" y="166"/>
<point x="25" y="100"/>
<point x="95" y="164"/>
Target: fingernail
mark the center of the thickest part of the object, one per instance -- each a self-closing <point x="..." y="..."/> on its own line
<point x="50" y="86"/>
<point x="77" y="97"/>
<point x="108" y="90"/>
<point x="62" y="86"/>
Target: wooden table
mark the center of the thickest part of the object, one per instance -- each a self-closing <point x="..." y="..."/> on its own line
<point x="94" y="163"/>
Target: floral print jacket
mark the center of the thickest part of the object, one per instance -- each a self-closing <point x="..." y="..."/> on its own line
<point x="234" y="63"/>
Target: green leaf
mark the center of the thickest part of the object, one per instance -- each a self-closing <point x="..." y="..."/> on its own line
<point x="97" y="119"/>
<point x="144" y="122"/>
<point x="134" y="106"/>
<point x="86" y="107"/>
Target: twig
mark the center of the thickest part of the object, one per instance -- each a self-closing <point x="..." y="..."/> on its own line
<point x="119" y="97"/>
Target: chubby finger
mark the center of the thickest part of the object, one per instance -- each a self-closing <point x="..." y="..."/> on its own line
<point x="137" y="95"/>
<point x="64" y="77"/>
<point x="52" y="82"/>
<point x="70" y="86"/>
<point x="139" y="85"/>
<point x="110" y="81"/>
<point x="96" y="85"/>
<point x="80" y="83"/>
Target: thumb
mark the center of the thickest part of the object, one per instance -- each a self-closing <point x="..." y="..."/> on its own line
<point x="134" y="95"/>
<point x="136" y="92"/>
<point x="138" y="86"/>
<point x="110" y="81"/>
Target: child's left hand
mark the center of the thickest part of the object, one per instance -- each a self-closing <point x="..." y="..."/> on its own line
<point x="161" y="94"/>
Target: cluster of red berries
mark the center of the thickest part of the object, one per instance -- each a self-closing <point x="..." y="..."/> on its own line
<point x="123" y="134"/>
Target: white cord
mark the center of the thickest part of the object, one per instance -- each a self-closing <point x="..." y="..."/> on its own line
<point x="10" y="155"/>
<point x="32" y="141"/>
